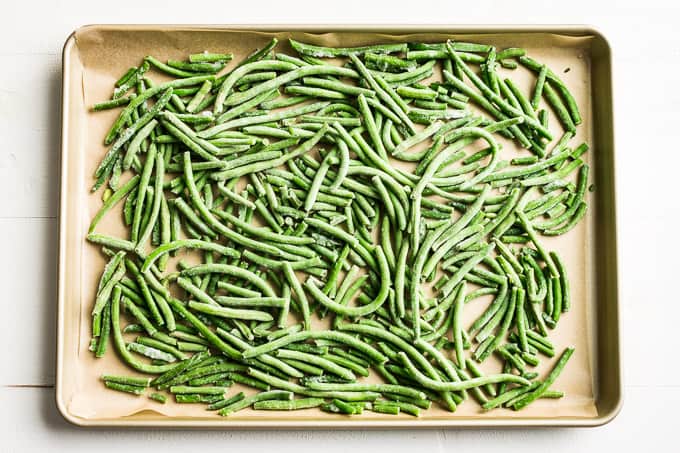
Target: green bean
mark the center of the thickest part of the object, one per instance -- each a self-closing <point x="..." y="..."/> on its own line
<point x="564" y="282"/>
<point x="383" y="110"/>
<point x="203" y="329"/>
<point x="298" y="404"/>
<point x="277" y="103"/>
<point x="316" y="184"/>
<point x="127" y="76"/>
<point x="261" y="166"/>
<point x="119" y="342"/>
<point x="350" y="276"/>
<point x="363" y="310"/>
<point x="113" y="200"/>
<point x="330" y="288"/>
<point x="465" y="268"/>
<point x="458" y="325"/>
<point x="532" y="235"/>
<point x="370" y="125"/>
<point x="386" y="95"/>
<point x="299" y="293"/>
<point x="132" y="131"/>
<point x="558" y="107"/>
<point x="400" y="149"/>
<point x="200" y="95"/>
<point x="207" y="57"/>
<point x="190" y="347"/>
<point x="339" y="406"/>
<point x="111" y="242"/>
<point x="112" y="103"/>
<point x="259" y="54"/>
<point x="226" y="312"/>
<point x="517" y="297"/>
<point x="580" y="211"/>
<point x="219" y="404"/>
<point x="505" y="397"/>
<point x="102" y="329"/>
<point x="147" y="94"/>
<point x="190" y="398"/>
<point x="109" y="288"/>
<point x="194" y="220"/>
<point x="298" y="389"/>
<point x="377" y="388"/>
<point x="388" y="63"/>
<point x="266" y="361"/>
<point x="140" y="316"/>
<point x="158" y="397"/>
<point x="459" y="385"/>
<point x="423" y="71"/>
<point x="226" y="86"/>
<point x="529" y="120"/>
<point x="187" y="243"/>
<point x="403" y="345"/>
<point x="128" y="380"/>
<point x="250" y="400"/>
<point x="251" y="301"/>
<point x="536" y="282"/>
<point x="302" y="264"/>
<point x="356" y="122"/>
<point x="239" y="98"/>
<point x="155" y="210"/>
<point x="543" y="387"/>
<point x="538" y="90"/>
<point x="321" y="334"/>
<point x="168" y="68"/>
<point x="213" y="222"/>
<point x="316" y="361"/>
<point x="399" y="279"/>
<point x="405" y="407"/>
<point x="264" y="234"/>
<point x="511" y="52"/>
<point x="521" y="99"/>
<point x="491" y="316"/>
<point x="178" y="369"/>
<point x="249" y="79"/>
<point x="559" y="84"/>
<point x="441" y="54"/>
<point x="332" y="52"/>
<point x="141" y="193"/>
<point x="490" y="389"/>
<point x="124" y="387"/>
<point x="301" y="90"/>
<point x="151" y="352"/>
<point x="243" y="108"/>
<point x="521" y="324"/>
<point x="186" y="389"/>
<point x="161" y="346"/>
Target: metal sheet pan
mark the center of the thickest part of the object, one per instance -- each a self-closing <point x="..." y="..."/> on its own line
<point x="87" y="58"/>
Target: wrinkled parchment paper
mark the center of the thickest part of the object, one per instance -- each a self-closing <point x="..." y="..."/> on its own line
<point x="102" y="53"/>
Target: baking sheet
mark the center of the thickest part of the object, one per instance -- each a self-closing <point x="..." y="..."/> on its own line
<point x="100" y="54"/>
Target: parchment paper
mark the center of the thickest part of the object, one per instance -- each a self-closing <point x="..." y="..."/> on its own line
<point x="102" y="54"/>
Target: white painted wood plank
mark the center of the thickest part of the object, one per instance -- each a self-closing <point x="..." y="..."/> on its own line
<point x="45" y="29"/>
<point x="30" y="94"/>
<point x="646" y="423"/>
<point x="646" y="178"/>
<point x="28" y="275"/>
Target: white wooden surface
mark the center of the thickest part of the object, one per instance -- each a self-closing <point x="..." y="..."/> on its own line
<point x="645" y="37"/>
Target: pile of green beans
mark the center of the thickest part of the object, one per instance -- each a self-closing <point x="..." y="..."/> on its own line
<point x="296" y="192"/>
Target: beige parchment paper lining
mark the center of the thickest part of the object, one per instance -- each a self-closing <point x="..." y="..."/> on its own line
<point x="102" y="54"/>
